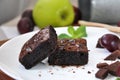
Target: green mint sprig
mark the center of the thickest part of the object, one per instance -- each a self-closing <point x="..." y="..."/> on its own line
<point x="74" y="34"/>
<point x="117" y="78"/>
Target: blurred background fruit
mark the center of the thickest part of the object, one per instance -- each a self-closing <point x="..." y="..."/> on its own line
<point x="78" y="15"/>
<point x="25" y="25"/>
<point x="118" y="24"/>
<point x="53" y="12"/>
<point x="29" y="14"/>
<point x="110" y="41"/>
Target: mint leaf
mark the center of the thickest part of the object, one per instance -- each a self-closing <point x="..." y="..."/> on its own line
<point x="117" y="78"/>
<point x="63" y="35"/>
<point x="80" y="35"/>
<point x="74" y="34"/>
<point x="71" y="30"/>
<point x="81" y="29"/>
<point x="80" y="32"/>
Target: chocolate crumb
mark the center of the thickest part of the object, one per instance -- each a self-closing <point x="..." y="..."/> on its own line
<point x="39" y="75"/>
<point x="77" y="66"/>
<point x="89" y="72"/>
<point x="83" y="68"/>
<point x="51" y="73"/>
<point x="73" y="71"/>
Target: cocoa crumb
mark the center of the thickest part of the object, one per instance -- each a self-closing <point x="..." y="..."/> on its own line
<point x="89" y="72"/>
<point x="83" y="68"/>
<point x="73" y="71"/>
<point x="78" y="66"/>
<point x="39" y="75"/>
<point x="51" y="73"/>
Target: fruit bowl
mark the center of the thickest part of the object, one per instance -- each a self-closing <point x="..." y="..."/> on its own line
<point x="11" y="8"/>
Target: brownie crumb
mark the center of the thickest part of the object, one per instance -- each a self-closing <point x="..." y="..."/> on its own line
<point x="39" y="75"/>
<point x="78" y="66"/>
<point x="89" y="72"/>
<point x="83" y="68"/>
<point x="102" y="73"/>
<point x="102" y="65"/>
<point x="113" y="56"/>
<point x="51" y="73"/>
<point x="73" y="71"/>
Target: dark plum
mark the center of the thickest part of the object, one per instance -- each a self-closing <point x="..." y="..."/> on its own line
<point x="110" y="41"/>
<point x="28" y="13"/>
<point x="98" y="44"/>
<point x="78" y="15"/>
<point x="118" y="24"/>
<point x="25" y="25"/>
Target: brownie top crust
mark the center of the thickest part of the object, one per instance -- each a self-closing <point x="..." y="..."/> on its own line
<point x="79" y="45"/>
<point x="42" y="36"/>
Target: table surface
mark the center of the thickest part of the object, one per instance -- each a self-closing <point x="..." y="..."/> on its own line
<point x="3" y="76"/>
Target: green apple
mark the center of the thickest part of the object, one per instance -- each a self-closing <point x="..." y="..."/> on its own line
<point x="53" y="12"/>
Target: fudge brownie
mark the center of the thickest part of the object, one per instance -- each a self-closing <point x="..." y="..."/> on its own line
<point x="40" y="46"/>
<point x="69" y="52"/>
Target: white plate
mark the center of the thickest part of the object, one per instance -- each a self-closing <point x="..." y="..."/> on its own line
<point x="9" y="63"/>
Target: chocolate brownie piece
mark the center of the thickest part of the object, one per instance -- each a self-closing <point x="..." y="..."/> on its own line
<point x="70" y="52"/>
<point x="102" y="65"/>
<point x="114" y="68"/>
<point x="38" y="47"/>
<point x="114" y="55"/>
<point x="102" y="73"/>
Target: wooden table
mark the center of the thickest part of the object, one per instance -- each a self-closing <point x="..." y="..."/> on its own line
<point x="3" y="76"/>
